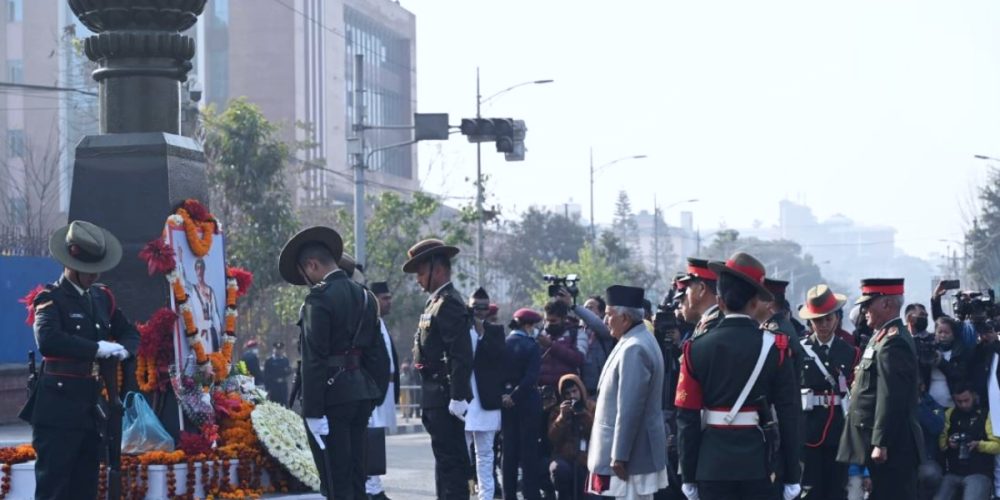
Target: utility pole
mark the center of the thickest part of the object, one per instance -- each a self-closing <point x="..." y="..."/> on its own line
<point x="359" y="163"/>
<point x="480" y="271"/>
<point x="697" y="241"/>
<point x="593" y="232"/>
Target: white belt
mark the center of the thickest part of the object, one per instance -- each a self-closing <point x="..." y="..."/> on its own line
<point x="821" y="400"/>
<point x="718" y="418"/>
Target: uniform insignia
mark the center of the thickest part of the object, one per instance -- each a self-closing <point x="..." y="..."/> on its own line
<point x="43" y="305"/>
<point x="76" y="316"/>
<point x="689" y="395"/>
<point x="893" y="331"/>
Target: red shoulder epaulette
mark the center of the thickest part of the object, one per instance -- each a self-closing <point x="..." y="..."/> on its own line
<point x="29" y="302"/>
<point x="781" y="342"/>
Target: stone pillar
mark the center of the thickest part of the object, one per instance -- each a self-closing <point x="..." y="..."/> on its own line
<point x="130" y="178"/>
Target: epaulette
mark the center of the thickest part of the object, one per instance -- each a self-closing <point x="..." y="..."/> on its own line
<point x="38" y="298"/>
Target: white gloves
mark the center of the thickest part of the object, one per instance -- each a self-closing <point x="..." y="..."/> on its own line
<point x="458" y="408"/>
<point x="107" y="349"/>
<point x="319" y="427"/>
<point x="690" y="490"/>
<point x="792" y="491"/>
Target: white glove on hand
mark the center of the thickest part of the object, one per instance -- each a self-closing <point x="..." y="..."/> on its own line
<point x="458" y="408"/>
<point x="690" y="490"/>
<point x="107" y="349"/>
<point x="122" y="355"/>
<point x="319" y="427"/>
<point x="792" y="491"/>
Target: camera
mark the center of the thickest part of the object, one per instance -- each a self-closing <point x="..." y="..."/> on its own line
<point x="961" y="440"/>
<point x="578" y="405"/>
<point x="975" y="305"/>
<point x="665" y="318"/>
<point x="558" y="282"/>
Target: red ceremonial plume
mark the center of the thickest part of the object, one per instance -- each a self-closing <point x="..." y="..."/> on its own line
<point x="244" y="279"/>
<point x="29" y="303"/>
<point x="159" y="257"/>
<point x="196" y="210"/>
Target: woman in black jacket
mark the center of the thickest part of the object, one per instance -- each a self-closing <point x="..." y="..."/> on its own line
<point x="952" y="362"/>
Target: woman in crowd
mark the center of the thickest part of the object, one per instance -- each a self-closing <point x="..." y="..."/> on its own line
<point x="522" y="407"/>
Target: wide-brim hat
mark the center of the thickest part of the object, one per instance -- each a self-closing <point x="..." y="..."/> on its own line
<point x="821" y="301"/>
<point x="85" y="247"/>
<point x="878" y="287"/>
<point x="745" y="267"/>
<point x="288" y="261"/>
<point x="348" y="264"/>
<point x="426" y="249"/>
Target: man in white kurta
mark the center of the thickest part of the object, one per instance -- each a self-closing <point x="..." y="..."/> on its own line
<point x="627" y="457"/>
<point x="384" y="415"/>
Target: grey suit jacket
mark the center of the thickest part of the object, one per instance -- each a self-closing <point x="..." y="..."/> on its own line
<point x="628" y="421"/>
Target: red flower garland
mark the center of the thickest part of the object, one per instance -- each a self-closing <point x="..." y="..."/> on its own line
<point x="159" y="257"/>
<point x="244" y="279"/>
<point x="155" y="352"/>
<point x="197" y="211"/>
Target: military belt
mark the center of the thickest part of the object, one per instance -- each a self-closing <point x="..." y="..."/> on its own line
<point x="350" y="360"/>
<point x="68" y="367"/>
<point x="746" y="417"/>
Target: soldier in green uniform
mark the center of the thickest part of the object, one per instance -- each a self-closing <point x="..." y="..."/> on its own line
<point x="345" y="368"/>
<point x="76" y="324"/>
<point x="442" y="352"/>
<point x="882" y="431"/>
<point x="701" y="306"/>
<point x="826" y="374"/>
<point x="730" y="380"/>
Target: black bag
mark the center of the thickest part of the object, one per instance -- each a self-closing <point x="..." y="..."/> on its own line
<point x="375" y="455"/>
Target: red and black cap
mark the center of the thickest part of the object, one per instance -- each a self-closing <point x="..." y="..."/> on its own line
<point x="878" y="287"/>
<point x="697" y="269"/>
<point x="747" y="268"/>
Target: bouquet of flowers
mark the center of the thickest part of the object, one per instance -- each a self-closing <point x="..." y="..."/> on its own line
<point x="195" y="401"/>
<point x="284" y="437"/>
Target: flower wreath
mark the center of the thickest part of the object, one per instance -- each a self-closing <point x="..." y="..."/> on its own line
<point x="281" y="432"/>
<point x="199" y="227"/>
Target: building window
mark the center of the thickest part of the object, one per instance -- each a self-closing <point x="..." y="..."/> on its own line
<point x="15" y="71"/>
<point x="15" y="11"/>
<point x="15" y="143"/>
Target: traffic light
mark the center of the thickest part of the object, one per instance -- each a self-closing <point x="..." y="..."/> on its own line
<point x="517" y="151"/>
<point x="507" y="133"/>
<point x="504" y="130"/>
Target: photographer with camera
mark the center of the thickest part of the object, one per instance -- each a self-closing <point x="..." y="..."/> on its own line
<point x="666" y="331"/>
<point x="595" y="342"/>
<point x="558" y="341"/>
<point x="569" y="432"/>
<point x="969" y="448"/>
<point x="971" y="308"/>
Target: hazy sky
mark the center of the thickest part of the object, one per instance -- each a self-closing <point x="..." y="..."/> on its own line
<point x="869" y="109"/>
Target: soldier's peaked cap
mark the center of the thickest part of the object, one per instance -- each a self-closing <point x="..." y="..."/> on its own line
<point x="878" y="287"/>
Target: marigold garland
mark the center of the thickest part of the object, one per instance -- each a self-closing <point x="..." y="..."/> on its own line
<point x="201" y="243"/>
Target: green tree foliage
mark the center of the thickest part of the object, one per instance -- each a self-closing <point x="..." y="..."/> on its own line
<point x="982" y="240"/>
<point x="394" y="224"/>
<point x="538" y="238"/>
<point x="597" y="273"/>
<point x="624" y="224"/>
<point x="246" y="174"/>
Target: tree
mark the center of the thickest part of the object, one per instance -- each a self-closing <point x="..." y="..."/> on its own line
<point x="981" y="239"/>
<point x="596" y="273"/>
<point x="624" y="224"/>
<point x="246" y="173"/>
<point x="29" y="199"/>
<point x="538" y="238"/>
<point x="393" y="225"/>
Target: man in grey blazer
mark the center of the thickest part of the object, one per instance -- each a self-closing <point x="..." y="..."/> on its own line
<point x="628" y="445"/>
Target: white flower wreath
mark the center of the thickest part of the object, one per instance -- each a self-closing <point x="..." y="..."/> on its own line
<point x="283" y="435"/>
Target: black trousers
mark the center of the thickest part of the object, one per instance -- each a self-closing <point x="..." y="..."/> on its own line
<point x="823" y="478"/>
<point x="894" y="479"/>
<point x="756" y="489"/>
<point x="342" y="464"/>
<point x="520" y="450"/>
<point x="451" y="457"/>
<point x="68" y="463"/>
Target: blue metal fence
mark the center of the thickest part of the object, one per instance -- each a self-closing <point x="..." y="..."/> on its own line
<point x="18" y="275"/>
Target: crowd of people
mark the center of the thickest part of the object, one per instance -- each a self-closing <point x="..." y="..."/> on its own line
<point x="721" y="393"/>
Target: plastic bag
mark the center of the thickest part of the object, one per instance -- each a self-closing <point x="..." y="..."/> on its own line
<point x="142" y="432"/>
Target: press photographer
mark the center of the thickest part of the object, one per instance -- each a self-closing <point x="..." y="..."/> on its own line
<point x="569" y="432"/>
<point x="970" y="307"/>
<point x="969" y="447"/>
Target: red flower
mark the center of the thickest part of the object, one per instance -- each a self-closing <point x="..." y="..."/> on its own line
<point x="196" y="210"/>
<point x="194" y="444"/>
<point x="156" y="339"/>
<point x="244" y="279"/>
<point x="29" y="303"/>
<point x="159" y="257"/>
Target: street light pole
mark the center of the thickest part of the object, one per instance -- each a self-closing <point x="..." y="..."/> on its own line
<point x="480" y="198"/>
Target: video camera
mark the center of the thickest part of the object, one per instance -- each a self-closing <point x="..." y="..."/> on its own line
<point x="975" y="306"/>
<point x="557" y="283"/>
<point x="665" y="318"/>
